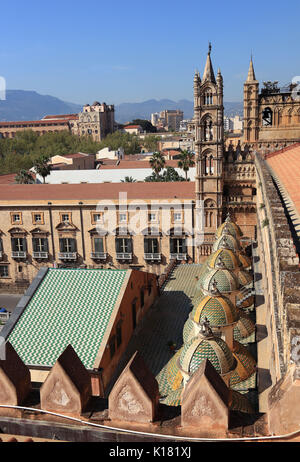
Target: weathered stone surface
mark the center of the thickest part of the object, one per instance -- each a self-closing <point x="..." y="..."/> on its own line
<point x="284" y="403"/>
<point x="134" y="397"/>
<point x="67" y="388"/>
<point x="205" y="400"/>
<point x="15" y="382"/>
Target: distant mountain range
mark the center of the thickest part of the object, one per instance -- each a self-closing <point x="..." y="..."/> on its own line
<point x="30" y="105"/>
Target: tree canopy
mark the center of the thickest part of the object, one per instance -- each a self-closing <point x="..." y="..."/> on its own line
<point x="145" y="124"/>
<point x="169" y="174"/>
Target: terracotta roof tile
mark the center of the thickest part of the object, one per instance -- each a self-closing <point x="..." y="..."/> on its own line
<point x="99" y="191"/>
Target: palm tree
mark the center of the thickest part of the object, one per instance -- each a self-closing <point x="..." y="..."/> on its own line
<point x="157" y="162"/>
<point x="128" y="179"/>
<point x="186" y="161"/>
<point x="42" y="167"/>
<point x="24" y="177"/>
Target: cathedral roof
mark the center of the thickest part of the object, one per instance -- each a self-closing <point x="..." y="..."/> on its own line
<point x="222" y="280"/>
<point x="212" y="348"/>
<point x="223" y="258"/>
<point x="229" y="227"/>
<point x="244" y="278"/>
<point x="245" y="365"/>
<point x="244" y="328"/>
<point x="226" y="241"/>
<point x="219" y="311"/>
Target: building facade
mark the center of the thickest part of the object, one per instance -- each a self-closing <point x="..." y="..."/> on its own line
<point x="272" y="115"/>
<point x="96" y="120"/>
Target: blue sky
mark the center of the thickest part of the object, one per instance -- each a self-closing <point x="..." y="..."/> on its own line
<point x="131" y="51"/>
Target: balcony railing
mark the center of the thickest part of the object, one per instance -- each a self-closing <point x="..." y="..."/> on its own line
<point x="67" y="255"/>
<point x="18" y="254"/>
<point x="178" y="256"/>
<point x="99" y="255"/>
<point x="152" y="256"/>
<point x="39" y="255"/>
<point x="124" y="256"/>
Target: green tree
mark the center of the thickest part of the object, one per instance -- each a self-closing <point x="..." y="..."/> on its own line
<point x="128" y="179"/>
<point x="151" y="143"/>
<point x="169" y="174"/>
<point x="42" y="167"/>
<point x="24" y="177"/>
<point x="130" y="143"/>
<point x="186" y="160"/>
<point x="157" y="162"/>
<point x="145" y="124"/>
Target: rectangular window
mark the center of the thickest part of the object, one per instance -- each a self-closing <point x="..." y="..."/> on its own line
<point x="177" y="217"/>
<point x="66" y="217"/>
<point x="38" y="218"/>
<point x="18" y="244"/>
<point x="4" y="271"/>
<point x="178" y="245"/>
<point x="16" y="218"/>
<point x="40" y="244"/>
<point x="122" y="217"/>
<point x="151" y="245"/>
<point x="67" y="245"/>
<point x="97" y="218"/>
<point x="98" y="244"/>
<point x="152" y="217"/>
<point x="123" y="245"/>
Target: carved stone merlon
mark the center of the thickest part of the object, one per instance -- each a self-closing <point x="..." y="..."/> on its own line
<point x="205" y="401"/>
<point x="15" y="382"/>
<point x="67" y="388"/>
<point x="134" y="397"/>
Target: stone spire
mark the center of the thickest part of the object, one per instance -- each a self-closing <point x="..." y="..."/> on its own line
<point x="208" y="74"/>
<point x="251" y="74"/>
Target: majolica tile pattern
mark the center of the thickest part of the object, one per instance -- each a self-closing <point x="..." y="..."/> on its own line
<point x="71" y="306"/>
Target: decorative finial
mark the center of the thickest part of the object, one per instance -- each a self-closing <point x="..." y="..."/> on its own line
<point x="220" y="262"/>
<point x="209" y="48"/>
<point x="228" y="219"/>
<point x="214" y="287"/>
<point x="205" y="328"/>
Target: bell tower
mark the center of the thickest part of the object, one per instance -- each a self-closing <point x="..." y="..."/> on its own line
<point x="251" y="113"/>
<point x="209" y="148"/>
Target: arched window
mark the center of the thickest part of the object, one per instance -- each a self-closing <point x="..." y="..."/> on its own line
<point x="267" y="117"/>
<point x="211" y="165"/>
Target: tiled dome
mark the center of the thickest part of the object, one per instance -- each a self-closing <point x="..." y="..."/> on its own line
<point x="189" y="330"/>
<point x="212" y="348"/>
<point x="218" y="310"/>
<point x="246" y="303"/>
<point x="226" y="241"/>
<point x="223" y="280"/>
<point x="244" y="328"/>
<point x="229" y="227"/>
<point x="223" y="258"/>
<point x="246" y="364"/>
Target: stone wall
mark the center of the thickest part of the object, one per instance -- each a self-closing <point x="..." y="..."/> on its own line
<point x="281" y="281"/>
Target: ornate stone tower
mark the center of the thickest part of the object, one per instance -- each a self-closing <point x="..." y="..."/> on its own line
<point x="209" y="147"/>
<point x="251" y="107"/>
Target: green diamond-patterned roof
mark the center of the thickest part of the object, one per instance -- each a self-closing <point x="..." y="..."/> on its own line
<point x="226" y="257"/>
<point x="219" y="311"/>
<point x="226" y="281"/>
<point x="70" y="306"/>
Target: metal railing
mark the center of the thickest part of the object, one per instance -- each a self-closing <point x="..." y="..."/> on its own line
<point x="99" y="255"/>
<point x="152" y="256"/>
<point x="38" y="255"/>
<point x="18" y="254"/>
<point x="124" y="256"/>
<point x="178" y="256"/>
<point x="67" y="255"/>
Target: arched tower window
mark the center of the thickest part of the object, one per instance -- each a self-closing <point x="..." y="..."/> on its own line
<point x="267" y="117"/>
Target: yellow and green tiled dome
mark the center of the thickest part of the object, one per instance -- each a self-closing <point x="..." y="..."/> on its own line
<point x="246" y="303"/>
<point x="229" y="227"/>
<point x="226" y="241"/>
<point x="246" y="365"/>
<point x="244" y="330"/>
<point x="218" y="310"/>
<point x="223" y="258"/>
<point x="212" y="348"/>
<point x="223" y="280"/>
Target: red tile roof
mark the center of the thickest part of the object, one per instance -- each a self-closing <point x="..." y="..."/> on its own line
<point x="8" y="179"/>
<point x="91" y="191"/>
<point x="286" y="165"/>
<point x="132" y="126"/>
<point x="62" y="116"/>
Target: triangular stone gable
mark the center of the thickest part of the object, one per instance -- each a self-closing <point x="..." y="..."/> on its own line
<point x="15" y="382"/>
<point x="66" y="226"/>
<point x="135" y="395"/>
<point x="67" y="388"/>
<point x="205" y="400"/>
